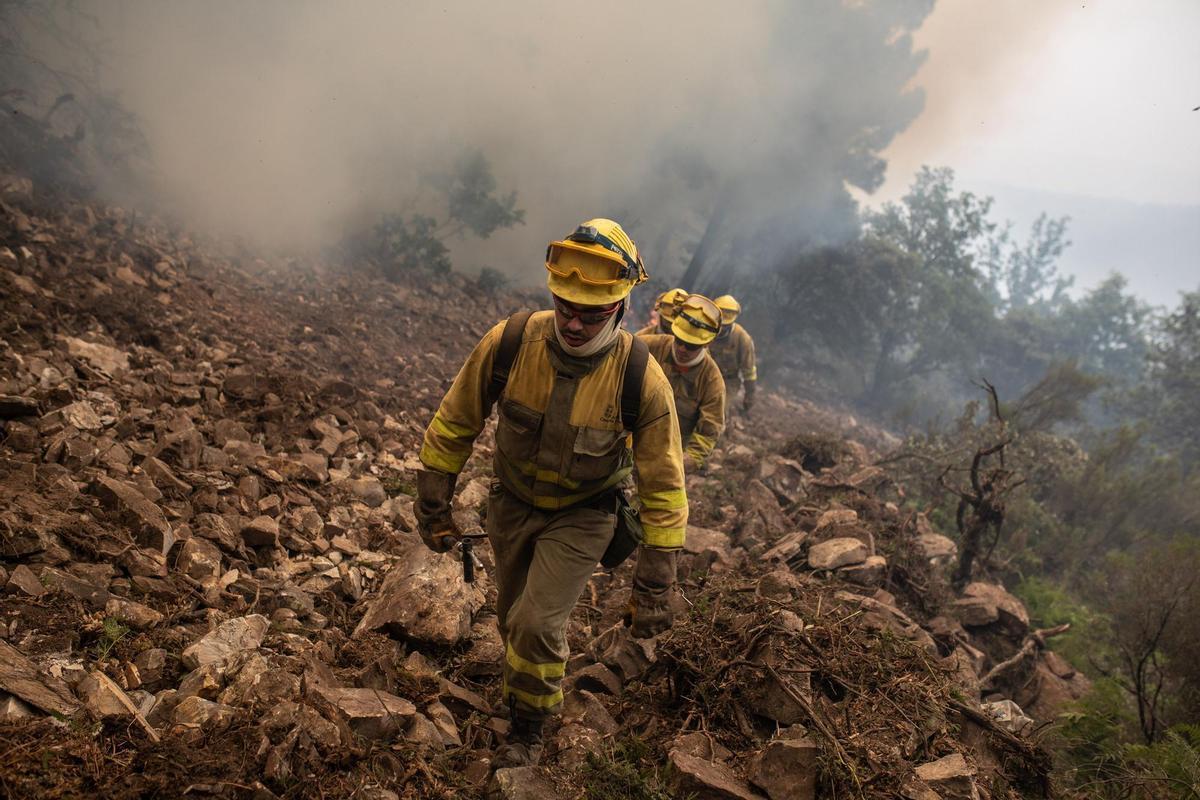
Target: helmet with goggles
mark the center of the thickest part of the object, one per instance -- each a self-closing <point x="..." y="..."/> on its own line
<point x="698" y="320"/>
<point x="596" y="265"/>
<point x="668" y="302"/>
<point x="730" y="308"/>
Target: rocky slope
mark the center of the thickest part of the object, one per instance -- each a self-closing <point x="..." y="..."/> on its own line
<point x="211" y="584"/>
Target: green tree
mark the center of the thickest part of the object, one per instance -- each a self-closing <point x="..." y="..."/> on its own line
<point x="936" y="313"/>
<point x="468" y="203"/>
<point x="1021" y="276"/>
<point x="1168" y="399"/>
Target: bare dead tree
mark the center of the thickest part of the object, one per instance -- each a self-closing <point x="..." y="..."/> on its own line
<point x="981" y="506"/>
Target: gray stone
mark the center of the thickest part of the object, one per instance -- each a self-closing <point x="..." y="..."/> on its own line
<point x="424" y="598"/>
<point x="102" y="698"/>
<point x="132" y="613"/>
<point x="24" y="582"/>
<point x="196" y="712"/>
<point x="370" y="713"/>
<point x="13" y="708"/>
<point x="626" y="656"/>
<point x="839" y="552"/>
<point x="151" y="665"/>
<point x="104" y="358"/>
<point x="444" y="720"/>
<point x="423" y="731"/>
<point x="149" y="525"/>
<point x="597" y="678"/>
<point x="258" y="683"/>
<point x="786" y="769"/>
<point x="205" y="681"/>
<point x="199" y="559"/>
<point x="230" y="639"/>
<point x="164" y="477"/>
<point x="936" y="547"/>
<point x="586" y="709"/>
<point x="986" y="603"/>
<point x="367" y="489"/>
<point x="951" y="777"/>
<point x="262" y="531"/>
<point x="706" y="780"/>
<point x="521" y="783"/>
<point x="868" y="573"/>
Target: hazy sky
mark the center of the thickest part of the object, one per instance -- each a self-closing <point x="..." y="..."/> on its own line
<point x="293" y="121"/>
<point x="1087" y="97"/>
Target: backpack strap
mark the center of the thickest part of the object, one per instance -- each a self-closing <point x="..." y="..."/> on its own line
<point x="506" y="354"/>
<point x="631" y="389"/>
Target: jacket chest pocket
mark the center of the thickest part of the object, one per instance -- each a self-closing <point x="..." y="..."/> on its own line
<point x="518" y="431"/>
<point x="597" y="453"/>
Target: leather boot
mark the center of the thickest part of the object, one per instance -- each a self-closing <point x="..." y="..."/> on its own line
<point x="524" y="746"/>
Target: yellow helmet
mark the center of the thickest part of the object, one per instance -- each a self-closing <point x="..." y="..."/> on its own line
<point x="730" y="308"/>
<point x="667" y="304"/>
<point x="698" y="320"/>
<point x="596" y="265"/>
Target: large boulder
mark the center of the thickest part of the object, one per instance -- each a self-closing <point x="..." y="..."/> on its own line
<point x="424" y="598"/>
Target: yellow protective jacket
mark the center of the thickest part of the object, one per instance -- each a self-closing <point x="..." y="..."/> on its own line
<point x="650" y="329"/>
<point x="734" y="354"/>
<point x="559" y="439"/>
<point x="699" y="397"/>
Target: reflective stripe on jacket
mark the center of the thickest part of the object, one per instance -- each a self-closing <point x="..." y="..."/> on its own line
<point x="699" y="397"/>
<point x="559" y="439"/>
<point x="734" y="354"/>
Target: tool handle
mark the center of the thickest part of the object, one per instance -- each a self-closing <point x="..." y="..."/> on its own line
<point x="468" y="560"/>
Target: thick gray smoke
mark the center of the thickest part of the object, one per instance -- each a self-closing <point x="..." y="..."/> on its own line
<point x="290" y="121"/>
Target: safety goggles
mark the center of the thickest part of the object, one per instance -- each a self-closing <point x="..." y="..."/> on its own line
<point x="573" y="256"/>
<point x="697" y="323"/>
<point x="587" y="318"/>
<point x="691" y="348"/>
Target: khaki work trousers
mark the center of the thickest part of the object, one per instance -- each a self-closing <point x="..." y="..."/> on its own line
<point x="543" y="562"/>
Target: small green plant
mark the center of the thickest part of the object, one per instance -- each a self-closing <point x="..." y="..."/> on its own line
<point x="111" y="633"/>
<point x="395" y="483"/>
<point x="618" y="772"/>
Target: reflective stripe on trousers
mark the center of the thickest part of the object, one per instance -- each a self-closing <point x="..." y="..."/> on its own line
<point x="543" y="562"/>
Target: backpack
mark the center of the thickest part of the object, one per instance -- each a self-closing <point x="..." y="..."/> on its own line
<point x="628" y="532"/>
<point x="631" y="388"/>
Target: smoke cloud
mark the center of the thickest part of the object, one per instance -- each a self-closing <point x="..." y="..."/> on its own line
<point x="293" y="121"/>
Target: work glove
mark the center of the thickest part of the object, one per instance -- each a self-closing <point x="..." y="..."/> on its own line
<point x="435" y="523"/>
<point x="748" y="396"/>
<point x="649" y="612"/>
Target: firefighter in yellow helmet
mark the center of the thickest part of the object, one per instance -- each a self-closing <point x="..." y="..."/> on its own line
<point x="733" y="351"/>
<point x="666" y="306"/>
<point x="574" y="391"/>
<point x="694" y="376"/>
